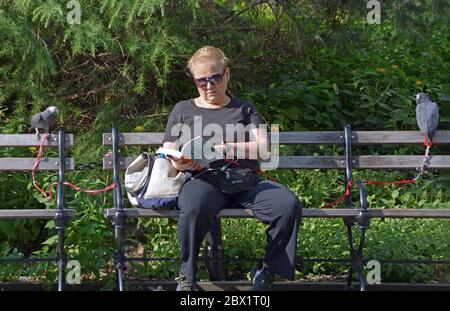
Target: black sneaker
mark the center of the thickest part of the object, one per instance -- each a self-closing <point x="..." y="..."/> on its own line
<point x="183" y="284"/>
<point x="262" y="279"/>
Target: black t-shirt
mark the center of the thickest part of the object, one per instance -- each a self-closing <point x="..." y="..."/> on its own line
<point x="233" y="120"/>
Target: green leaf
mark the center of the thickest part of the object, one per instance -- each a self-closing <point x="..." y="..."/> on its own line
<point x="395" y="194"/>
<point x="51" y="241"/>
<point x="50" y="224"/>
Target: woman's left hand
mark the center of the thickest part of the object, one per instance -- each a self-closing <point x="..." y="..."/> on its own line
<point x="222" y="148"/>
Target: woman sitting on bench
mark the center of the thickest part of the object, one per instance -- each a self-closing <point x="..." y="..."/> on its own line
<point x="200" y="199"/>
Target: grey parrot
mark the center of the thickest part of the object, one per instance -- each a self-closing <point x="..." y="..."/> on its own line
<point x="427" y="115"/>
<point x="44" y="120"/>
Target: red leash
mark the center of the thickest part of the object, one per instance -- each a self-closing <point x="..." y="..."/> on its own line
<point x="367" y="182"/>
<point x="110" y="187"/>
<point x="426" y="142"/>
<point x="36" y="163"/>
<point x="49" y="195"/>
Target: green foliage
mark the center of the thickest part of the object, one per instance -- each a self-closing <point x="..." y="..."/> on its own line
<point x="307" y="65"/>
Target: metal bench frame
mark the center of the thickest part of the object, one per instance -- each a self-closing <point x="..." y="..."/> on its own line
<point x="61" y="215"/>
<point x="214" y="256"/>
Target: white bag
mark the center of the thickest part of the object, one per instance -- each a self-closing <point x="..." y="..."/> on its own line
<point x="152" y="182"/>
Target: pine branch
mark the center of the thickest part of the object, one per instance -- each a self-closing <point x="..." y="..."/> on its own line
<point x="229" y="19"/>
<point x="91" y="92"/>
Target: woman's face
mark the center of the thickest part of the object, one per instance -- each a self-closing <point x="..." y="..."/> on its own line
<point x="211" y="81"/>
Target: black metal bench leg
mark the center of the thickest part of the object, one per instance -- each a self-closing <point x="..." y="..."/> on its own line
<point x="349" y="224"/>
<point x="214" y="253"/>
<point x="119" y="217"/>
<point x="356" y="255"/>
<point x="349" y="221"/>
<point x="362" y="281"/>
<point x="363" y="222"/>
<point x="357" y="266"/>
<point x="61" y="258"/>
<point x="119" y="258"/>
<point x="60" y="219"/>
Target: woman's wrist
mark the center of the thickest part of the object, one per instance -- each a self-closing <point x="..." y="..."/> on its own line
<point x="228" y="149"/>
<point x="224" y="148"/>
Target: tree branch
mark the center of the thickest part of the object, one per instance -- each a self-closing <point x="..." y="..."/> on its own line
<point x="229" y="19"/>
<point x="91" y="92"/>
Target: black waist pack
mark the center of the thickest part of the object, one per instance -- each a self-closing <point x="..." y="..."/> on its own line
<point x="230" y="180"/>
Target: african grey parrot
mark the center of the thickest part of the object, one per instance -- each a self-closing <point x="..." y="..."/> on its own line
<point x="44" y="120"/>
<point x="427" y="115"/>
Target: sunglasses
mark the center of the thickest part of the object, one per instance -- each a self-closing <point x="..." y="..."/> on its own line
<point x="214" y="80"/>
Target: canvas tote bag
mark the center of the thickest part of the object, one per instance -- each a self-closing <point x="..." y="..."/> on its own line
<point x="152" y="182"/>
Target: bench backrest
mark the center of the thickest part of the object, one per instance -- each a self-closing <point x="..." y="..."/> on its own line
<point x="30" y="140"/>
<point x="320" y="138"/>
<point x="18" y="164"/>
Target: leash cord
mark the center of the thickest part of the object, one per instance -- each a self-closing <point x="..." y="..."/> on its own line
<point x="49" y="194"/>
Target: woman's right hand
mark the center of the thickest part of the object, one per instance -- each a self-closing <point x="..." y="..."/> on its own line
<point x="181" y="165"/>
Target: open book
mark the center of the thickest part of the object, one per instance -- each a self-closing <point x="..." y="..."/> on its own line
<point x="199" y="148"/>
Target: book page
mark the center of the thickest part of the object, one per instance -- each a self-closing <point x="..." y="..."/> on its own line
<point x="201" y="149"/>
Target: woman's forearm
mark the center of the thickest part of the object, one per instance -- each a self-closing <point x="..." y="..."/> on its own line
<point x="253" y="150"/>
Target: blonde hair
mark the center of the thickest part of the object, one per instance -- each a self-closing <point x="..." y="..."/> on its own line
<point x="208" y="54"/>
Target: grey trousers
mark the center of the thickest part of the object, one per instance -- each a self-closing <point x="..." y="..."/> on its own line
<point x="272" y="203"/>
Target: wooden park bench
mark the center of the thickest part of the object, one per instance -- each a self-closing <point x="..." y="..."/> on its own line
<point x="346" y="162"/>
<point x="60" y="214"/>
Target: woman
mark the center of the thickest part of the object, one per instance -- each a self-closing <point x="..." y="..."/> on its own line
<point x="200" y="200"/>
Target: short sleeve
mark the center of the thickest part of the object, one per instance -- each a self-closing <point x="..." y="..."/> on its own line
<point x="253" y="116"/>
<point x="173" y="126"/>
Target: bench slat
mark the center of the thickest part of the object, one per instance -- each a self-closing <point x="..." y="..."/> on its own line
<point x="135" y="139"/>
<point x="285" y="162"/>
<point x="29" y="140"/>
<point x="400" y="162"/>
<point x="361" y="137"/>
<point x="334" y="162"/>
<point x="396" y="137"/>
<point x="307" y="213"/>
<point x="32" y="213"/>
<point x="362" y="162"/>
<point x="304" y="137"/>
<point x="26" y="164"/>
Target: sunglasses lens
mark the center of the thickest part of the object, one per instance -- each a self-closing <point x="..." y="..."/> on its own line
<point x="202" y="82"/>
<point x="216" y="79"/>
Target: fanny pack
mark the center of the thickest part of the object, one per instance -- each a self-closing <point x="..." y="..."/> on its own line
<point x="229" y="180"/>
